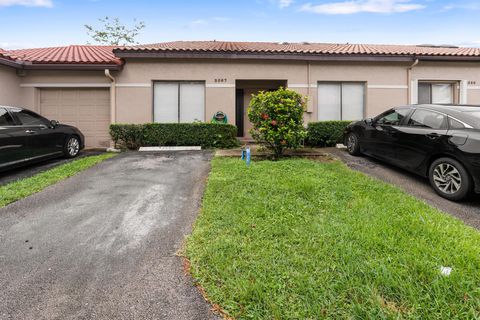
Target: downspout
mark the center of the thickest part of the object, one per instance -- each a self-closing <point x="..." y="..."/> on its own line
<point x="310" y="101"/>
<point x="409" y="81"/>
<point x="113" y="96"/>
<point x="113" y="104"/>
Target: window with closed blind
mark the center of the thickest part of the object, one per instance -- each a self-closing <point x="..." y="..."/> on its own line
<point x="178" y="102"/>
<point x="341" y="101"/>
<point x="435" y="92"/>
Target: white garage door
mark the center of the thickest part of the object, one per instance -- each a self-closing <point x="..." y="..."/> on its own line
<point x="86" y="109"/>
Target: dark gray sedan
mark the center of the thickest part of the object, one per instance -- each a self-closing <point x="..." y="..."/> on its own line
<point x="27" y="137"/>
<point x="441" y="142"/>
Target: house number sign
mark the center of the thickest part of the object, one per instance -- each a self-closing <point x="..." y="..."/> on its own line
<point x="220" y="80"/>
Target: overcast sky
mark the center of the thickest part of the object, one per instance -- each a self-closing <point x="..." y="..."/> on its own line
<point x="41" y="23"/>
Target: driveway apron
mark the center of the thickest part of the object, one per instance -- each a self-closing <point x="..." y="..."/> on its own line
<point x="103" y="244"/>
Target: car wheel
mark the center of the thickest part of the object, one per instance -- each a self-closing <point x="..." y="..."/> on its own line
<point x="353" y="145"/>
<point x="450" y="179"/>
<point x="71" y="148"/>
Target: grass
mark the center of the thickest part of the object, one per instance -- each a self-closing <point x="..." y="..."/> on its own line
<point x="23" y="188"/>
<point x="298" y="239"/>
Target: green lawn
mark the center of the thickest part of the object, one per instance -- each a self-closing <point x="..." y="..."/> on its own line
<point x="298" y="239"/>
<point x="22" y="188"/>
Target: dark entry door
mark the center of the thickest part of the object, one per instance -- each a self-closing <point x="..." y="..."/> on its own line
<point x="239" y="119"/>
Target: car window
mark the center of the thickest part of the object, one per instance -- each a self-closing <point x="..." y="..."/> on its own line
<point x="428" y="119"/>
<point x="28" y="118"/>
<point x="5" y="118"/>
<point x="454" y="124"/>
<point x="393" y="117"/>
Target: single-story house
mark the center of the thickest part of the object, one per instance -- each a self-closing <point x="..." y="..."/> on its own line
<point x="93" y="86"/>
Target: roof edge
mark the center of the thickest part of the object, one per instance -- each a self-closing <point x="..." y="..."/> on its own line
<point x="122" y="53"/>
<point x="263" y="56"/>
<point x="72" y="66"/>
<point x="10" y="63"/>
<point x="60" y="66"/>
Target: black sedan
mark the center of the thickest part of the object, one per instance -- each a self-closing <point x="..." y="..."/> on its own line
<point x="27" y="137"/>
<point x="441" y="142"/>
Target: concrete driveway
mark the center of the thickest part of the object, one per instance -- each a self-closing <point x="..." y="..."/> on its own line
<point x="468" y="211"/>
<point x="102" y="244"/>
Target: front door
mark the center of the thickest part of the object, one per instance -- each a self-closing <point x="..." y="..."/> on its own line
<point x="239" y="112"/>
<point x="247" y="125"/>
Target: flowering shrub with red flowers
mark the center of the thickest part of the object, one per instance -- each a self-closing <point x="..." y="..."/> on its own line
<point x="277" y="119"/>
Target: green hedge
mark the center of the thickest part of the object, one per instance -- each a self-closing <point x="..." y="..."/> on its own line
<point x="207" y="135"/>
<point x="325" y="133"/>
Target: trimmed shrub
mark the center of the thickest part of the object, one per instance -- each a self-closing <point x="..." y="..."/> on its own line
<point x="207" y="135"/>
<point x="277" y="119"/>
<point x="325" y="133"/>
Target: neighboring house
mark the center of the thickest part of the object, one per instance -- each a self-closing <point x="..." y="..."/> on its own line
<point x="93" y="86"/>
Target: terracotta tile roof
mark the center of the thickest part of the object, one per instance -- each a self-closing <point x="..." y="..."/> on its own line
<point x="4" y="54"/>
<point x="74" y="54"/>
<point x="303" y="48"/>
<point x="110" y="55"/>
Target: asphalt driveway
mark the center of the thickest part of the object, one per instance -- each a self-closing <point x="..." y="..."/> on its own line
<point x="468" y="211"/>
<point x="103" y="244"/>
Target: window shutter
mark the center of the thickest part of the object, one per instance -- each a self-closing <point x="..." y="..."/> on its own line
<point x="165" y="102"/>
<point x="424" y="93"/>
<point x="192" y="102"/>
<point x="353" y="101"/>
<point x="442" y="93"/>
<point x="329" y="101"/>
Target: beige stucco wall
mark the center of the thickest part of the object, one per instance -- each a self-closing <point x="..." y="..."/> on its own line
<point x="135" y="96"/>
<point x="386" y="83"/>
<point x="34" y="80"/>
<point x="452" y="71"/>
<point x="9" y="86"/>
<point x="137" y="76"/>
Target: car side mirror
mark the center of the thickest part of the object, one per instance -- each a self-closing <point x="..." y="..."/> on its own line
<point x="369" y="121"/>
<point x="54" y="123"/>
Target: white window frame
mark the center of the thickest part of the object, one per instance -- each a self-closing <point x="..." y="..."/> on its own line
<point x="179" y="82"/>
<point x="341" y="83"/>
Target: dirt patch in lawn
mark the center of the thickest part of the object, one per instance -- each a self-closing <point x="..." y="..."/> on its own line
<point x="261" y="153"/>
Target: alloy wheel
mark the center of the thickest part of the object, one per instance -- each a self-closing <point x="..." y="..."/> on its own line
<point x="351" y="143"/>
<point x="73" y="146"/>
<point x="447" y="178"/>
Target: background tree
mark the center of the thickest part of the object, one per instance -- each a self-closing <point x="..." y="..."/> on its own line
<point x="277" y="118"/>
<point x="113" y="32"/>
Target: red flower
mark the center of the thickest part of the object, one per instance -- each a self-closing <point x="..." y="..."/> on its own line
<point x="264" y="116"/>
<point x="274" y="122"/>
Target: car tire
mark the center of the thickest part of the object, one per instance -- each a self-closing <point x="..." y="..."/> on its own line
<point x="450" y="179"/>
<point x="352" y="143"/>
<point x="71" y="149"/>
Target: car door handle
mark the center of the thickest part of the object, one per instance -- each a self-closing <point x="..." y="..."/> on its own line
<point x="30" y="131"/>
<point x="433" y="135"/>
